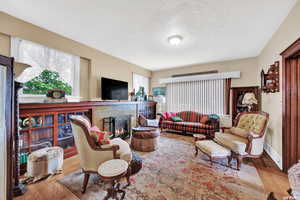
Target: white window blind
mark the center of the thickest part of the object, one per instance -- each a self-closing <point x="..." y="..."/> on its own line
<point x="205" y="96"/>
<point x="140" y="81"/>
<point x="42" y="57"/>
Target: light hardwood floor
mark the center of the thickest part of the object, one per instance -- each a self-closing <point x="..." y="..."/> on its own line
<point x="273" y="179"/>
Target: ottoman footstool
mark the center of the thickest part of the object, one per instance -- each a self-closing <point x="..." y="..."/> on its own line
<point x="213" y="150"/>
<point x="145" y="139"/>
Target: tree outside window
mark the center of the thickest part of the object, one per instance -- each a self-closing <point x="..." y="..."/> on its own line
<point x="45" y="81"/>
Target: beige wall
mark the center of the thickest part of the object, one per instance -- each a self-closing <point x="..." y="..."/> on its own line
<point x="4" y="44"/>
<point x="101" y="64"/>
<point x="247" y="67"/>
<point x="288" y="32"/>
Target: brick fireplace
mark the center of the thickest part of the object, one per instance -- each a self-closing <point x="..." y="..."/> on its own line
<point x="122" y="117"/>
<point x="119" y="126"/>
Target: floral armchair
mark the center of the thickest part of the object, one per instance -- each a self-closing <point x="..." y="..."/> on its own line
<point x="246" y="137"/>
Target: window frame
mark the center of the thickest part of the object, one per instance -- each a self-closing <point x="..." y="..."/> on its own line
<point x="75" y="74"/>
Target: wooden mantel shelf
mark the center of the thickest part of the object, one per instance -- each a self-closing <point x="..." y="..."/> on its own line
<point x="42" y="107"/>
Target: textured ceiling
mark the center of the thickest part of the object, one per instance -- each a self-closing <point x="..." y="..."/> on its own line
<point x="137" y="30"/>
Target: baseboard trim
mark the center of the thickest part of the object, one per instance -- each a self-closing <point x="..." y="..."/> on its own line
<point x="274" y="155"/>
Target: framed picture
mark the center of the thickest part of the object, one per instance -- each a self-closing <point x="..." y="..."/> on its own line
<point x="159" y="91"/>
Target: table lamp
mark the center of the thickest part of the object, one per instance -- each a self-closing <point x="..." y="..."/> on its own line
<point x="249" y="99"/>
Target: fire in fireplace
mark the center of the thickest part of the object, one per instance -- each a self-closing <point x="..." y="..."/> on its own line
<point x="119" y="126"/>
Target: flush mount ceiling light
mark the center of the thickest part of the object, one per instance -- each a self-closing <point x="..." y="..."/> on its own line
<point x="175" y="40"/>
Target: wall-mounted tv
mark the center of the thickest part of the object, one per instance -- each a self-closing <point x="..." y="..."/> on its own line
<point x="113" y="89"/>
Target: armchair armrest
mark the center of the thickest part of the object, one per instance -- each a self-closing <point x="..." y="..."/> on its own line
<point x="252" y="136"/>
<point x="224" y="129"/>
<point x="109" y="147"/>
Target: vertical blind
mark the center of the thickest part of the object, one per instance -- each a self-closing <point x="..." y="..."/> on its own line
<point x="205" y="96"/>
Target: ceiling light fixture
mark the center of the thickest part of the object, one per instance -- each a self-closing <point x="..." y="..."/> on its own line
<point x="175" y="40"/>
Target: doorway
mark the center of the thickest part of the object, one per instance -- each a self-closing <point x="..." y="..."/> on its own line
<point x="291" y="105"/>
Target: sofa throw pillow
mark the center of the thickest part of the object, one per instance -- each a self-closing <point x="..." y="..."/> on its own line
<point x="204" y="119"/>
<point x="239" y="132"/>
<point x="168" y="115"/>
<point x="100" y="137"/>
<point x="176" y="119"/>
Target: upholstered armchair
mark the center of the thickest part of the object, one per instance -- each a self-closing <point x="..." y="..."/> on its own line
<point x="92" y="155"/>
<point x="246" y="137"/>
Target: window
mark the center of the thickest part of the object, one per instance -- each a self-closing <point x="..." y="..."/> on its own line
<point x="140" y="81"/>
<point x="50" y="68"/>
<point x="205" y="96"/>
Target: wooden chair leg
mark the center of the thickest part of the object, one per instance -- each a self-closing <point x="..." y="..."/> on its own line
<point x="239" y="162"/>
<point x="85" y="182"/>
<point x="128" y="175"/>
<point x="211" y="161"/>
<point x="229" y="161"/>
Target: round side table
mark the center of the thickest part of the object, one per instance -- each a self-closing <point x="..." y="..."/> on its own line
<point x="113" y="171"/>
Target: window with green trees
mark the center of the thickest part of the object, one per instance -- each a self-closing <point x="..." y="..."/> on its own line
<point x="45" y="81"/>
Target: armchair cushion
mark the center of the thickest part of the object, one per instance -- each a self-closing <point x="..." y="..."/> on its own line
<point x="235" y="143"/>
<point x="252" y="122"/>
<point x="239" y="132"/>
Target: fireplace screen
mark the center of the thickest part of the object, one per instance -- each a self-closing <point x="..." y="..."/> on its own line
<point x="119" y="126"/>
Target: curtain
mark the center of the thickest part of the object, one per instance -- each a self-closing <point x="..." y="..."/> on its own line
<point x="205" y="96"/>
<point x="227" y="95"/>
<point x="140" y="81"/>
<point x="40" y="57"/>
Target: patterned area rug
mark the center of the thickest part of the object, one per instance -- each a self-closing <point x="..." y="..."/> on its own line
<point x="172" y="172"/>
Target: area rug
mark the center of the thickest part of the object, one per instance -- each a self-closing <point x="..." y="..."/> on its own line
<point x="173" y="172"/>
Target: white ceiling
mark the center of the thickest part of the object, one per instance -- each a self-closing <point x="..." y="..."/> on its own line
<point x="137" y="30"/>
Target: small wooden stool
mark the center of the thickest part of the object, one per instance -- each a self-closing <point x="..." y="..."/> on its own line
<point x="113" y="171"/>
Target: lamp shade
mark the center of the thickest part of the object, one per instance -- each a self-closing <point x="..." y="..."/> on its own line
<point x="249" y="98"/>
<point x="19" y="68"/>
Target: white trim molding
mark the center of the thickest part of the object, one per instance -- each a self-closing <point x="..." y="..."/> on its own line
<point x="201" y="77"/>
<point x="274" y="155"/>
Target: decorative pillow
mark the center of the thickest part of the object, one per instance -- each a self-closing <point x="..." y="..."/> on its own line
<point x="214" y="116"/>
<point x="238" y="131"/>
<point x="204" y="119"/>
<point x="176" y="119"/>
<point x="170" y="114"/>
<point x="100" y="137"/>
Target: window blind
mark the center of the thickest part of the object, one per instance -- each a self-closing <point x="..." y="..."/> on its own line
<point x="205" y="96"/>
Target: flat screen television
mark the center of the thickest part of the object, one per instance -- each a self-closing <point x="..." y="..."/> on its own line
<point x="113" y="89"/>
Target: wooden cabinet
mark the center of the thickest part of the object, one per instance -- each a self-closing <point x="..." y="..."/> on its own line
<point x="48" y="124"/>
<point x="147" y="109"/>
<point x="236" y="98"/>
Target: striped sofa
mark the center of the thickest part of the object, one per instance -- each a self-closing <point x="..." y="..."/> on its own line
<point x="190" y="124"/>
